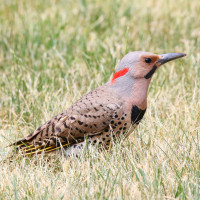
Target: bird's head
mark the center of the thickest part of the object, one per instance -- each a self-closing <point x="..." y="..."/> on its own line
<point x="133" y="75"/>
<point x="142" y="65"/>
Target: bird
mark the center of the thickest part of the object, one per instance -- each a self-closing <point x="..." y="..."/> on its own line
<point x="104" y="114"/>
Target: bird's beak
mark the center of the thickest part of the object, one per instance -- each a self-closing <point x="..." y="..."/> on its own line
<point x="168" y="57"/>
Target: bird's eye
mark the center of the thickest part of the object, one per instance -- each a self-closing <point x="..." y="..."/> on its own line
<point x="148" y="60"/>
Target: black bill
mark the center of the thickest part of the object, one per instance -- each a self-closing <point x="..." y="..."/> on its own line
<point x="168" y="57"/>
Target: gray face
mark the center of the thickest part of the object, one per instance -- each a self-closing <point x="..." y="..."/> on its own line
<point x="130" y="59"/>
<point x="138" y="65"/>
<point x="123" y="85"/>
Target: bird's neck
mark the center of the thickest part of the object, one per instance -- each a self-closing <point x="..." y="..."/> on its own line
<point x="138" y="96"/>
<point x="133" y="92"/>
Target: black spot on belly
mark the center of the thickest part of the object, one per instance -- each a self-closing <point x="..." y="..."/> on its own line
<point x="136" y="114"/>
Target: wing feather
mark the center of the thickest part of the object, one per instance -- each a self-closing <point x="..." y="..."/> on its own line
<point x="88" y="116"/>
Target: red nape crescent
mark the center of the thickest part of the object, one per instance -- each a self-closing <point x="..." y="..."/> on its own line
<point x="118" y="74"/>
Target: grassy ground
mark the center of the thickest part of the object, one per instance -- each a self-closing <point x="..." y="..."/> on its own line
<point x="52" y="52"/>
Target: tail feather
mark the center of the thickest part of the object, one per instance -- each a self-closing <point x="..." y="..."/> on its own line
<point x="20" y="143"/>
<point x="45" y="150"/>
<point x="26" y="148"/>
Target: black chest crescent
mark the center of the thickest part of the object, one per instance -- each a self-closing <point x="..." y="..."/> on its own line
<point x="136" y="115"/>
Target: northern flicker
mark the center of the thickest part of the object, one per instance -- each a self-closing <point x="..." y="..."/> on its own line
<point x="104" y="114"/>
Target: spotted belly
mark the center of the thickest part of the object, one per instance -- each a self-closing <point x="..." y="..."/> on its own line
<point x="120" y="125"/>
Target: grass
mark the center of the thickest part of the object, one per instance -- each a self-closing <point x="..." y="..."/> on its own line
<point x="52" y="52"/>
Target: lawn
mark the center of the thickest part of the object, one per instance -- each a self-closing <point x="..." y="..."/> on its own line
<point x="52" y="52"/>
